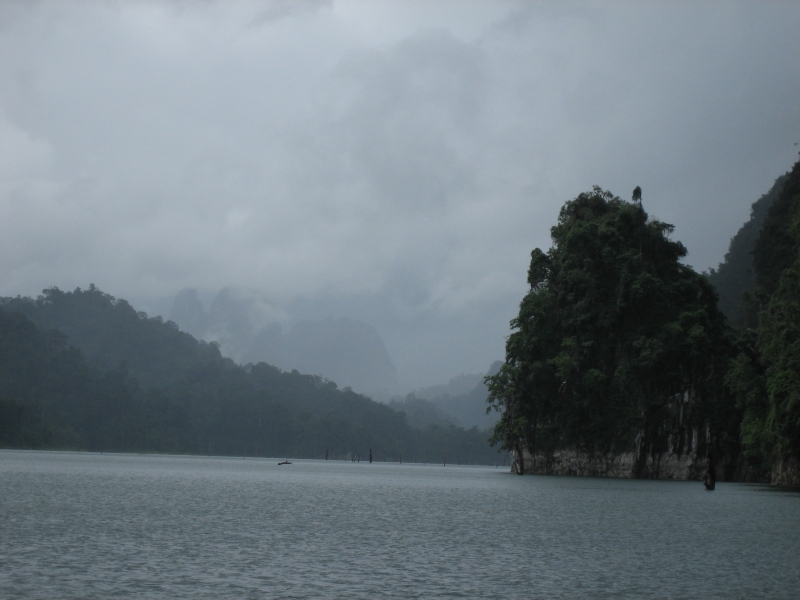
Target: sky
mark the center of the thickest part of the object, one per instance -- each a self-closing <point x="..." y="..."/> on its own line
<point x="393" y="162"/>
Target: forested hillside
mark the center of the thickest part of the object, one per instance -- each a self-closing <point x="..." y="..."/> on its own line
<point x="766" y="374"/>
<point x="620" y="348"/>
<point x="736" y="275"/>
<point x="84" y="370"/>
<point x="112" y="335"/>
<point x="46" y="389"/>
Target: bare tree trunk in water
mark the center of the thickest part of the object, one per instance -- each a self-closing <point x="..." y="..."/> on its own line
<point x="710" y="478"/>
<point x="640" y="467"/>
<point x="520" y="460"/>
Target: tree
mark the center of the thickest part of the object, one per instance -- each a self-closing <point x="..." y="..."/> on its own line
<point x="618" y="346"/>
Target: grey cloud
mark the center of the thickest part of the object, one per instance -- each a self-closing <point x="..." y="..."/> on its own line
<point x="392" y="163"/>
<point x="279" y="9"/>
<point x="249" y="329"/>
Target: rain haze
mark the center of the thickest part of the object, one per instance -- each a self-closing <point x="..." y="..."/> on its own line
<point x="392" y="164"/>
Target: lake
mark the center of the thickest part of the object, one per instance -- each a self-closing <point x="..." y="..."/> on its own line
<point x="84" y="525"/>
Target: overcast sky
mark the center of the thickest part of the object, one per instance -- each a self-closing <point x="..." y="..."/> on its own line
<point x="394" y="162"/>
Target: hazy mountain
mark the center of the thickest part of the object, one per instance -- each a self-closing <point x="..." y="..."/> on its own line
<point x="421" y="413"/>
<point x="123" y="381"/>
<point x="342" y="350"/>
<point x="187" y="309"/>
<point x="468" y="409"/>
<point x="457" y="386"/>
<point x="249" y="329"/>
<point x="461" y="401"/>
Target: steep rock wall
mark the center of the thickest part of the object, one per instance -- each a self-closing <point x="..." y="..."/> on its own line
<point x="569" y="462"/>
<point x="786" y="472"/>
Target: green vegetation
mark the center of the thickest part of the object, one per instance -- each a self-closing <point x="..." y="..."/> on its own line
<point x="617" y="346"/>
<point x="137" y="384"/>
<point x="736" y="274"/>
<point x="766" y="374"/>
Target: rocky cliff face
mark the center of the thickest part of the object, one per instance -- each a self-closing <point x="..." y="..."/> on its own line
<point x="786" y="472"/>
<point x="569" y="462"/>
<point x="688" y="466"/>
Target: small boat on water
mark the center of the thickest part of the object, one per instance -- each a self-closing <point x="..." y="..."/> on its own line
<point x="286" y="462"/>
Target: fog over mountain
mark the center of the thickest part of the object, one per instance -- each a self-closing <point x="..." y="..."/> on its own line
<point x="249" y="330"/>
<point x="378" y="170"/>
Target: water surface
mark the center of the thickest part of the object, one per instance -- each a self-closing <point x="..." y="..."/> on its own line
<point x="79" y="525"/>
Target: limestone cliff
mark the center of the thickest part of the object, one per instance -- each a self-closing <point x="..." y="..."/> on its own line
<point x="786" y="472"/>
<point x="688" y="466"/>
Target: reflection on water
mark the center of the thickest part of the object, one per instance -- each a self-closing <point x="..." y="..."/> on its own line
<point x="75" y="525"/>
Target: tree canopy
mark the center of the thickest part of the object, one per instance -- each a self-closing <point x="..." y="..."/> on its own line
<point x="618" y="346"/>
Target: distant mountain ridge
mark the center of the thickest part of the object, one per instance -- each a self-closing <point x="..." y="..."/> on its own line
<point x="461" y="401"/>
<point x="249" y="330"/>
<point x="84" y="370"/>
<point x="458" y="385"/>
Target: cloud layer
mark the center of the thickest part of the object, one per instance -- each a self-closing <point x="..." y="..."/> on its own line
<point x="394" y="162"/>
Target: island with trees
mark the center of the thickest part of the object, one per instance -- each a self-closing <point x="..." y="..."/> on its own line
<point x="622" y="363"/>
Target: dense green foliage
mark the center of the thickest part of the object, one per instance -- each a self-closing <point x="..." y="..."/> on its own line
<point x="133" y="383"/>
<point x="110" y="334"/>
<point x="766" y="375"/>
<point x="736" y="274"/>
<point x="777" y="244"/>
<point x="618" y="346"/>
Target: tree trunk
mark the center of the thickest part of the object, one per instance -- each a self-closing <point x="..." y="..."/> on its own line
<point x="520" y="460"/>
<point x="710" y="478"/>
<point x="640" y="467"/>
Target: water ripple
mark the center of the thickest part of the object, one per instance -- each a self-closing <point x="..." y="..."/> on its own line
<point x="75" y="525"/>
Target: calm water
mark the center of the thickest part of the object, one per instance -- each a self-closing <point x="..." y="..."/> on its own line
<point x="76" y="525"/>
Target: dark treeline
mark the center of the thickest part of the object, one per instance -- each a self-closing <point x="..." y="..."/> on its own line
<point x="736" y="274"/>
<point x="765" y="376"/>
<point x="83" y="370"/>
<point x="620" y="348"/>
